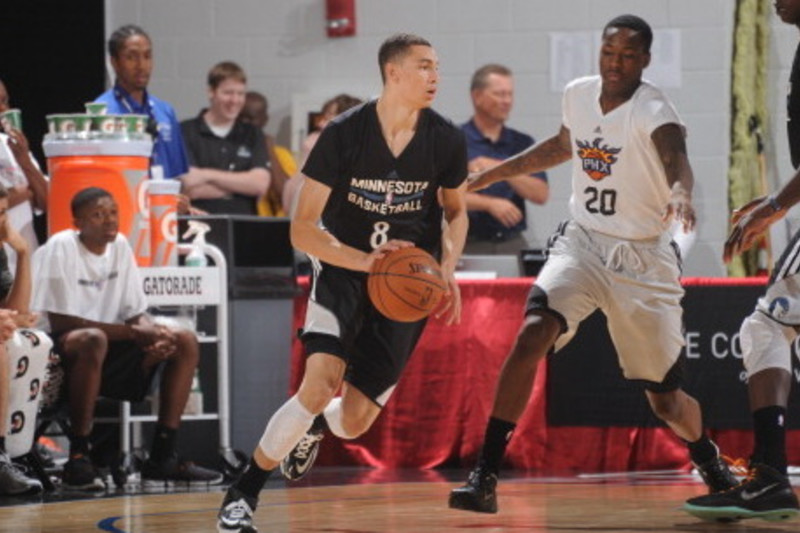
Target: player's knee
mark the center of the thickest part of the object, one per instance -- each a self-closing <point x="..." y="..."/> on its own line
<point x="317" y="396"/>
<point x="355" y="425"/>
<point x="89" y="345"/>
<point x="187" y="346"/>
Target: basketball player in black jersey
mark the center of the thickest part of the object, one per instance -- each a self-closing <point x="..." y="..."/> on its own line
<point x="766" y="337"/>
<point x="382" y="176"/>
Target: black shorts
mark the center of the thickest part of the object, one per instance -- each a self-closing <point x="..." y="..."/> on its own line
<point x="123" y="377"/>
<point x="342" y="321"/>
<point x="671" y="382"/>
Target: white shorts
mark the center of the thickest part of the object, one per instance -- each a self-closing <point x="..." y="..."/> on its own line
<point x="635" y="283"/>
<point x="766" y="335"/>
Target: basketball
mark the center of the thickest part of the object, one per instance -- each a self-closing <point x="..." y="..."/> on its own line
<point x="406" y="285"/>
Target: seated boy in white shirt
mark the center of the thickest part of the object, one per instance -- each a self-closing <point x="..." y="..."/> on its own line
<point x="88" y="286"/>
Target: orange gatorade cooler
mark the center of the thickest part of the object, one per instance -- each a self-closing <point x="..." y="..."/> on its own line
<point x="119" y="166"/>
<point x="163" y="195"/>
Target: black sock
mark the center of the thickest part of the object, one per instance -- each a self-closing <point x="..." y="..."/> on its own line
<point x="770" y="437"/>
<point x="2" y="444"/>
<point x="702" y="450"/>
<point x="164" y="441"/>
<point x="498" y="434"/>
<point x="78" y="445"/>
<point x="252" y="479"/>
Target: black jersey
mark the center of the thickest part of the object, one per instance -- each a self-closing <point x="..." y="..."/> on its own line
<point x="793" y="110"/>
<point x="376" y="196"/>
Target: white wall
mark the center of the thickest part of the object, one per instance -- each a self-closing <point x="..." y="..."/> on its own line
<point x="283" y="46"/>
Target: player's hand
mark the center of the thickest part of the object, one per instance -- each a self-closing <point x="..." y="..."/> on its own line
<point x="381" y="251"/>
<point x="26" y="320"/>
<point x="18" y="145"/>
<point x="185" y="207"/>
<point x="680" y="206"/>
<point x="749" y="222"/>
<point x="166" y="344"/>
<point x="505" y="212"/>
<point x="144" y="334"/>
<point x="482" y="163"/>
<point x="450" y="305"/>
<point x="7" y="324"/>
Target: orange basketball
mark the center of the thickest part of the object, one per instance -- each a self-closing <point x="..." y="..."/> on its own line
<point x="406" y="285"/>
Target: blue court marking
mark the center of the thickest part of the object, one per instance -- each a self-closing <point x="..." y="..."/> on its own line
<point x="107" y="524"/>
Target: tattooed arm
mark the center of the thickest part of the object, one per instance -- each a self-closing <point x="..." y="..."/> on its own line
<point x="539" y="157"/>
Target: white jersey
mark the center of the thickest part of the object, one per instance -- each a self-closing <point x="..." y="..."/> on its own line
<point x="21" y="215"/>
<point x="71" y="280"/>
<point x="619" y="186"/>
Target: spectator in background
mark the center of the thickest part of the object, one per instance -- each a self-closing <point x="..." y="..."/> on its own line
<point x="26" y="185"/>
<point x="88" y="285"/>
<point x="282" y="163"/>
<point x="15" y="297"/>
<point x="228" y="158"/>
<point x="497" y="216"/>
<point x="335" y="106"/>
<point x="131" y="54"/>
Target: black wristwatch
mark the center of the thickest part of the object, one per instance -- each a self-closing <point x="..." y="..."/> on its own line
<point x="773" y="203"/>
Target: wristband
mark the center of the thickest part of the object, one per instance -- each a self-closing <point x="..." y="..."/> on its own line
<point x="773" y="203"/>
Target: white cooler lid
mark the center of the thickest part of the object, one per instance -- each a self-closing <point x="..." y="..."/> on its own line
<point x="58" y="148"/>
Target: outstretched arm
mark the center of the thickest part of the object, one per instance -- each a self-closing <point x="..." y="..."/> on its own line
<point x="539" y="157"/>
<point x="756" y="216"/>
<point x="671" y="146"/>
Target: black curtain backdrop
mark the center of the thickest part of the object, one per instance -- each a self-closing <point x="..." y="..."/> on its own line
<point x="52" y="59"/>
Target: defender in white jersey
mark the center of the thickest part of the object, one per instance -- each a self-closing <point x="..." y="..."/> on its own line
<point x="630" y="177"/>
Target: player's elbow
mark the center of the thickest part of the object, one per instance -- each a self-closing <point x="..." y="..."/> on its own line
<point x="541" y="196"/>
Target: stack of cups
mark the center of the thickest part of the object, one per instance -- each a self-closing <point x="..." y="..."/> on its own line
<point x="69" y="126"/>
<point x="11" y="119"/>
<point x="163" y="201"/>
<point x="103" y="126"/>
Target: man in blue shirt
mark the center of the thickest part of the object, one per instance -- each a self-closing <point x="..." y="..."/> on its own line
<point x="132" y="58"/>
<point x="497" y="213"/>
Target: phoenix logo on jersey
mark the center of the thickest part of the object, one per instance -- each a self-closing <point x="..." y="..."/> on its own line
<point x="596" y="159"/>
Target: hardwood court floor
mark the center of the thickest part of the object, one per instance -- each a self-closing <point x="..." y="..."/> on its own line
<point x="389" y="501"/>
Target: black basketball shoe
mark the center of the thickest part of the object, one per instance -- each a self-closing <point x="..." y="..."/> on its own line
<point x="236" y="513"/>
<point x="717" y="475"/>
<point x="767" y="494"/>
<point x="297" y="464"/>
<point x="478" y="494"/>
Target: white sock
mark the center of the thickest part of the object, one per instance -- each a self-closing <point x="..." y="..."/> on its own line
<point x="333" y="416"/>
<point x="285" y="429"/>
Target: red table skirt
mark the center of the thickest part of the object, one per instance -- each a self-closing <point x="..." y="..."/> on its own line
<point x="439" y="409"/>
